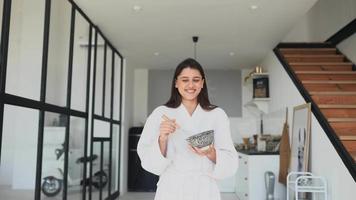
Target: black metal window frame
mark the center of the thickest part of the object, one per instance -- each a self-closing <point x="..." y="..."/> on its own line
<point x="102" y="116"/>
<point x="43" y="107"/>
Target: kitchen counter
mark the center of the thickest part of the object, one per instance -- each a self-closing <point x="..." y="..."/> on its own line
<point x="250" y="176"/>
<point x="255" y="152"/>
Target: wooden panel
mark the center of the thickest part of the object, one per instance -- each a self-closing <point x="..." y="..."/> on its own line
<point x="350" y="137"/>
<point x="330" y="87"/>
<point x="326" y="77"/>
<point x="321" y="68"/>
<point x="353" y="154"/>
<point x="333" y="93"/>
<point x="334" y="99"/>
<point x="321" y="63"/>
<point x="350" y="145"/>
<point x="344" y="128"/>
<point x="331" y="113"/>
<point x="327" y="72"/>
<point x="330" y="82"/>
<point x="314" y="58"/>
<point x="308" y="51"/>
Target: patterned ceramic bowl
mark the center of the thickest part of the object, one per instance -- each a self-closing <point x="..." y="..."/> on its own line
<point x="201" y="140"/>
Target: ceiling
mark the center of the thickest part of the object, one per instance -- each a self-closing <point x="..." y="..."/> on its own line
<point x="224" y="27"/>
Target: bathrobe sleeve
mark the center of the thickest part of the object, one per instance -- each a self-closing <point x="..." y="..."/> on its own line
<point x="226" y="155"/>
<point x="148" y="149"/>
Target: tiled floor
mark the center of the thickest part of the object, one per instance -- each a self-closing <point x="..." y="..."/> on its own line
<point x="150" y="196"/>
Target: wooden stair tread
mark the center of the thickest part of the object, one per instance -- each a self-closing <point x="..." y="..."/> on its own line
<point x="336" y="106"/>
<point x="350" y="145"/>
<point x="348" y="137"/>
<point x="339" y="93"/>
<point x="322" y="63"/>
<point x="327" y="82"/>
<point x="313" y="56"/>
<point x="327" y="72"/>
<point x="329" y="51"/>
<point x="308" y="49"/>
<point x="341" y="119"/>
<point x="353" y="154"/>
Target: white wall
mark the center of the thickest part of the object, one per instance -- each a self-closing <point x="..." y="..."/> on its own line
<point x="324" y="160"/>
<point x="324" y="19"/>
<point x="140" y="96"/>
<point x="348" y="47"/>
<point x="127" y="122"/>
<point x="249" y="123"/>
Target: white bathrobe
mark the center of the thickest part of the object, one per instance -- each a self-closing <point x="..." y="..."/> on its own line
<point x="185" y="175"/>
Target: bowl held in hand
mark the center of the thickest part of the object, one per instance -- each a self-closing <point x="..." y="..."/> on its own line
<point x="202" y="140"/>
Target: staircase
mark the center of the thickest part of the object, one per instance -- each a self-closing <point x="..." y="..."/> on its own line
<point x="328" y="79"/>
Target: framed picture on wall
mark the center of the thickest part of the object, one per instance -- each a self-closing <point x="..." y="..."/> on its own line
<point x="300" y="138"/>
<point x="260" y="87"/>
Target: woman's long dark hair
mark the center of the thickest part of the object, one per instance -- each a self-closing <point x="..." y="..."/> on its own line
<point x="203" y="98"/>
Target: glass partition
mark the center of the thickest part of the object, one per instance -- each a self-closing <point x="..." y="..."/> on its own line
<point x="80" y="63"/>
<point x="66" y="147"/>
<point x="108" y="82"/>
<point x="101" y="129"/>
<point x="25" y="48"/>
<point x="105" y="168"/>
<point x="100" y="173"/>
<point x="115" y="158"/>
<point x="99" y="76"/>
<point x="76" y="158"/>
<point x="96" y="174"/>
<point x="58" y="48"/>
<point x="117" y="89"/>
<point x="18" y="153"/>
<point x="53" y="155"/>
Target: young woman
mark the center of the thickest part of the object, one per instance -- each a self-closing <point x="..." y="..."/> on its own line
<point x="187" y="173"/>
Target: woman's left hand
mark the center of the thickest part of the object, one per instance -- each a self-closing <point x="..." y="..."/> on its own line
<point x="210" y="152"/>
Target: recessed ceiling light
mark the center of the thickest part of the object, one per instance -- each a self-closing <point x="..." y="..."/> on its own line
<point x="232" y="53"/>
<point x="253" y="7"/>
<point x="156" y="53"/>
<point x="137" y="8"/>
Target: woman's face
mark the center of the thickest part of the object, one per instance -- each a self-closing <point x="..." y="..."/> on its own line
<point x="189" y="84"/>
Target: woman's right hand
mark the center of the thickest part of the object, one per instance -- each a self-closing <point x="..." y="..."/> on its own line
<point x="167" y="127"/>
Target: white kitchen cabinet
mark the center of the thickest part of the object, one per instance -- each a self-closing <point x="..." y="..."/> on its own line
<point x="250" y="183"/>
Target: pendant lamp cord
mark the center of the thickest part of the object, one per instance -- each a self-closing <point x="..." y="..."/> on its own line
<point x="195" y="51"/>
<point x="195" y="40"/>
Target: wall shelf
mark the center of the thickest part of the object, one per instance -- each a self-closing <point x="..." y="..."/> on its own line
<point x="255" y="75"/>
